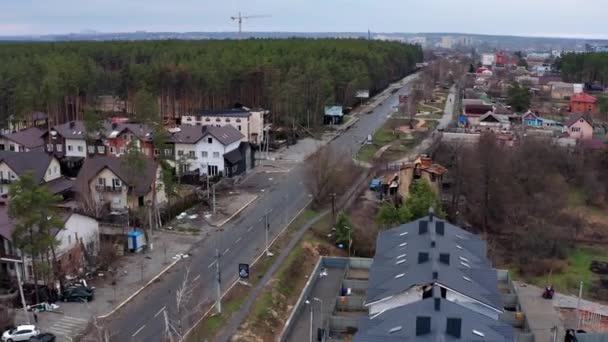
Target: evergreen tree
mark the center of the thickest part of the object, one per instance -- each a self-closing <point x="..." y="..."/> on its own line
<point x="343" y="229"/>
<point x="388" y="215"/>
<point x="519" y="97"/>
<point x="421" y="198"/>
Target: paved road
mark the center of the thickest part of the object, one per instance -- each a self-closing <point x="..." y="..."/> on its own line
<point x="241" y="240"/>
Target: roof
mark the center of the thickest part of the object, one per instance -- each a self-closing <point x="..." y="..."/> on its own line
<point x="30" y="138"/>
<point x="400" y="324"/>
<point x="478" y="109"/>
<point x="141" y="131"/>
<point x="583" y="97"/>
<point x="491" y="117"/>
<point x="141" y="183"/>
<point x="234" y="156"/>
<point x="187" y="134"/>
<point x="426" y="164"/>
<point x="21" y="162"/>
<point x="71" y="130"/>
<point x="60" y="185"/>
<point x="225" y="134"/>
<point x="234" y="112"/>
<point x="573" y="118"/>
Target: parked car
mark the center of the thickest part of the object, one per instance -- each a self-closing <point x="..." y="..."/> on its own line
<point x="78" y="294"/>
<point x="46" y="337"/>
<point x="20" y="333"/>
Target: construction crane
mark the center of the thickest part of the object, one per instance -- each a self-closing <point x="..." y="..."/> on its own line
<point x="240" y="18"/>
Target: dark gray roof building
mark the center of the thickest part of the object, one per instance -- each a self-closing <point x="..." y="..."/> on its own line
<point x="30" y="138"/>
<point x="139" y="182"/>
<point x="36" y="162"/>
<point x="188" y="134"/>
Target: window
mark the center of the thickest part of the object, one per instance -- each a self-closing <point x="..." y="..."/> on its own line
<point x="210" y="140"/>
<point x="204" y="154"/>
<point x="156" y="152"/>
<point x="70" y="147"/>
<point x="123" y="150"/>
<point x="238" y="120"/>
<point x="55" y="169"/>
<point x="112" y="150"/>
<point x="69" y="239"/>
<point x="79" y="148"/>
<point x="216" y="154"/>
<point x="91" y="149"/>
<point x="191" y="154"/>
<point x="12" y="175"/>
<point x="180" y="152"/>
<point x="167" y="152"/>
<point x="217" y="120"/>
<point x="101" y="149"/>
<point x="59" y="147"/>
<point x="239" y="126"/>
<point x="101" y="181"/>
<point x="575" y="129"/>
<point x="188" y="118"/>
<point x="212" y="170"/>
<point x="49" y="147"/>
<point x="227" y="120"/>
<point x="116" y="182"/>
<point x="198" y="123"/>
<point x="207" y="119"/>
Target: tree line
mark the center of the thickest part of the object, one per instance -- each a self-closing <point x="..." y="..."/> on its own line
<point x="584" y="67"/>
<point x="293" y="78"/>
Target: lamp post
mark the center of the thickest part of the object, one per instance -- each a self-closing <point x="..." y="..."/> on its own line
<point x="311" y="318"/>
<point x="321" y="310"/>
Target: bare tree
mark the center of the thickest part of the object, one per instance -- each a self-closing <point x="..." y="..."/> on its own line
<point x="327" y="173"/>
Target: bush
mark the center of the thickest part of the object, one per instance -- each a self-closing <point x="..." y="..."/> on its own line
<point x="541" y="267"/>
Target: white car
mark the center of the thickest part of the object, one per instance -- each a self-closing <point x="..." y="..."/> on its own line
<point x="20" y="333"/>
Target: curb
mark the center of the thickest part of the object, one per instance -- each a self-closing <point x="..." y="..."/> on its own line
<point x="238" y="211"/>
<point x="134" y="294"/>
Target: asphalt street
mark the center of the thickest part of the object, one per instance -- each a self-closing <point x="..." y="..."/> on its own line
<point x="240" y="241"/>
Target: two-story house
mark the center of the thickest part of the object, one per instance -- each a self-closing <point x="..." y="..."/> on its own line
<point x="29" y="139"/>
<point x="583" y="103"/>
<point x="44" y="168"/>
<point x="118" y="136"/>
<point x="579" y="126"/>
<point x="249" y="122"/>
<point x="72" y="140"/>
<point x="212" y="150"/>
<point x="105" y="181"/>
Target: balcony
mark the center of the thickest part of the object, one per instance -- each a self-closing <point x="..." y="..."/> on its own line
<point x="106" y="188"/>
<point x="5" y="181"/>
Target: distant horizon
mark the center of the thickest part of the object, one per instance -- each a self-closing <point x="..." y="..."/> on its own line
<point x="96" y="32"/>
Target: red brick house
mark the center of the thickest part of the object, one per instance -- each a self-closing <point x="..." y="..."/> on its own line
<point x="583" y="103"/>
<point x="119" y="135"/>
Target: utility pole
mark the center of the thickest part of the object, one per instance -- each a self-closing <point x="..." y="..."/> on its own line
<point x="311" y="319"/>
<point x="218" y="301"/>
<point x="333" y="208"/>
<point x="213" y="199"/>
<point x="18" y="271"/>
<point x="267" y="229"/>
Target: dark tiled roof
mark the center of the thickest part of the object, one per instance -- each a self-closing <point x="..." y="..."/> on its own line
<point x="36" y="162"/>
<point x="192" y="134"/>
<point x="235" y="112"/>
<point x="399" y="324"/>
<point x="187" y="134"/>
<point x="60" y="185"/>
<point x="477" y="109"/>
<point x="72" y="130"/>
<point x="141" y="182"/>
<point x="141" y="131"/>
<point x="225" y="134"/>
<point x="31" y="138"/>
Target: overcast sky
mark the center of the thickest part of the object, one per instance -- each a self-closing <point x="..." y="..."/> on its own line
<point x="565" y="18"/>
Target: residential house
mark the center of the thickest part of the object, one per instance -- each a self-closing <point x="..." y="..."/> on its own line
<point x="108" y="182"/>
<point x="579" y="126"/>
<point x="45" y="169"/>
<point x="494" y="122"/>
<point x="71" y="140"/>
<point x="561" y="90"/>
<point x="78" y="238"/>
<point x="430" y="281"/>
<point x="118" y="136"/>
<point x="211" y="150"/>
<point x="583" y="103"/>
<point x="249" y="122"/>
<point x="29" y="139"/>
<point x="473" y="111"/>
<point x="422" y="168"/>
<point x="531" y="119"/>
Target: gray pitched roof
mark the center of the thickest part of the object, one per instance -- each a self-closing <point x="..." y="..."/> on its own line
<point x="225" y="134"/>
<point x="141" y="182"/>
<point x="36" y="162"/>
<point x="141" y="131"/>
<point x="30" y="138"/>
<point x="71" y="130"/>
<point x="189" y="134"/>
<point x="399" y="324"/>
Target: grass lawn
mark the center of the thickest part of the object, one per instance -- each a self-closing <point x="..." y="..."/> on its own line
<point x="577" y="270"/>
<point x="366" y="153"/>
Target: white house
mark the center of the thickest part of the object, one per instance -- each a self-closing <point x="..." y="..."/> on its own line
<point x="205" y="148"/>
<point x="22" y="141"/>
<point x="43" y="167"/>
<point x="80" y="236"/>
<point x="249" y="122"/>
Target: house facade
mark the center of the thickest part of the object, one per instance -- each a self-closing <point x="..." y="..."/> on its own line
<point x="579" y="127"/>
<point x="29" y="139"/>
<point x="105" y="181"/>
<point x="583" y="103"/>
<point x="250" y="123"/>
<point x="43" y="167"/>
<point x="118" y="137"/>
<point x="78" y="238"/>
<point x="211" y="150"/>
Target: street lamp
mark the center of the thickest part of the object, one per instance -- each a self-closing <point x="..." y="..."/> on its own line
<point x="312" y="316"/>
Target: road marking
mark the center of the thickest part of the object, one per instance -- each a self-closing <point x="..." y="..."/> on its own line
<point x="196" y="278"/>
<point x="138" y="330"/>
<point x="226" y="251"/>
<point x="161" y="310"/>
<point x="237" y="240"/>
<point x="211" y="264"/>
<point x="250" y="228"/>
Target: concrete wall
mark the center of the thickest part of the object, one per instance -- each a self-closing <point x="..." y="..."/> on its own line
<point x="350" y="303"/>
<point x="342" y="324"/>
<point x="460" y="137"/>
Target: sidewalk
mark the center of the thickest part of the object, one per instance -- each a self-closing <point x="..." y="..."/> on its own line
<point x="541" y="315"/>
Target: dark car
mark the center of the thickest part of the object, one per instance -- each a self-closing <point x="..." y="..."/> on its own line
<point x="46" y="337"/>
<point x="78" y="294"/>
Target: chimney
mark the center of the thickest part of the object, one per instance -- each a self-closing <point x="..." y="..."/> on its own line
<point x="423" y="227"/>
<point x="454" y="327"/>
<point x="72" y="124"/>
<point x="423" y="325"/>
<point x="440" y="228"/>
<point x="444" y="258"/>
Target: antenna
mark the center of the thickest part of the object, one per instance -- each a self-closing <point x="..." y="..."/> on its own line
<point x="240" y="18"/>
